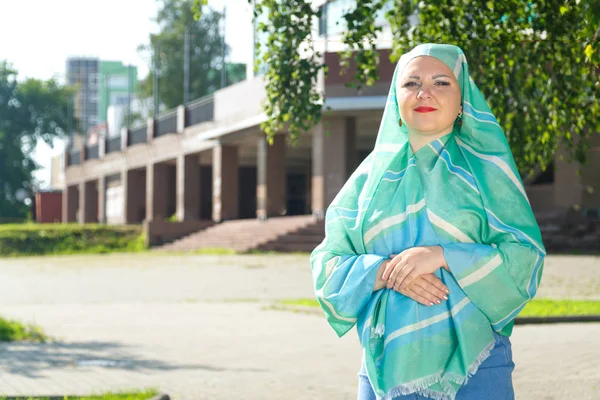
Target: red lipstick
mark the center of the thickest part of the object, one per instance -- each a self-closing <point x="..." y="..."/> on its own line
<point x="424" y="109"/>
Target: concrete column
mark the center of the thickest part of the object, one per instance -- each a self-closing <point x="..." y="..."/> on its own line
<point x="180" y="118"/>
<point x="271" y="182"/>
<point x="65" y="204"/>
<point x="156" y="196"/>
<point x="351" y="150"/>
<point x="130" y="196"/>
<point x="126" y="212"/>
<point x="330" y="166"/>
<point x="150" y="129"/>
<point x="188" y="188"/>
<point x="225" y="183"/>
<point x="81" y="202"/>
<point x="102" y="147"/>
<point x="102" y="199"/>
<point x="124" y="138"/>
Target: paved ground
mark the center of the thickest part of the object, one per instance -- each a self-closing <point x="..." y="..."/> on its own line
<point x="197" y="327"/>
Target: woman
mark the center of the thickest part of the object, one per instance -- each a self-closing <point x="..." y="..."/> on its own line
<point x="431" y="247"/>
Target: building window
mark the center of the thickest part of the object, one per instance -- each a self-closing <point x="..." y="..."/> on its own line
<point x="332" y="20"/>
<point x="323" y="20"/>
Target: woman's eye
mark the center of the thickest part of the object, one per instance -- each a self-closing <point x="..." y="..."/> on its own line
<point x="409" y="84"/>
<point x="442" y="83"/>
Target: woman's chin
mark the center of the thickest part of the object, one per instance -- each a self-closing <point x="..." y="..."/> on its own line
<point x="428" y="129"/>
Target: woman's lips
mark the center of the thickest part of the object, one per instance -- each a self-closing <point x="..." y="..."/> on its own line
<point x="424" y="109"/>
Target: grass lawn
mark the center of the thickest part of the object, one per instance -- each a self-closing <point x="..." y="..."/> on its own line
<point x="557" y="308"/>
<point x="535" y="308"/>
<point x="138" y="395"/>
<point x="14" y="331"/>
<point x="44" y="239"/>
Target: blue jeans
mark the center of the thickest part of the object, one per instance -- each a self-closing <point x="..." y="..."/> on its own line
<point x="493" y="379"/>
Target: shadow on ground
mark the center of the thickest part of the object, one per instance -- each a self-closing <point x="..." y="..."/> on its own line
<point x="33" y="359"/>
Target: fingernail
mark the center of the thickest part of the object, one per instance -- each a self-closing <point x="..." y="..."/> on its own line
<point x="430" y="304"/>
<point x="447" y="291"/>
<point x="439" y="302"/>
<point x="445" y="297"/>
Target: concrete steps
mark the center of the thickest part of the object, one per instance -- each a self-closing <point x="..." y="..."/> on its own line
<point x="561" y="233"/>
<point x="288" y="234"/>
<point x="566" y="232"/>
<point x="304" y="239"/>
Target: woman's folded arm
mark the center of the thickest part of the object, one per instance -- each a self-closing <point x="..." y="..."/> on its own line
<point x="343" y="280"/>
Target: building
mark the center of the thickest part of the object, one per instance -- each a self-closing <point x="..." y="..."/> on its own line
<point x="82" y="72"/>
<point x="118" y="84"/>
<point x="105" y="90"/>
<point x="57" y="172"/>
<point x="208" y="160"/>
<point x="48" y="206"/>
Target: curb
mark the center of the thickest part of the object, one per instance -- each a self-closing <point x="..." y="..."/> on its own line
<point x="162" y="396"/>
<point x="518" y="321"/>
<point x="557" y="320"/>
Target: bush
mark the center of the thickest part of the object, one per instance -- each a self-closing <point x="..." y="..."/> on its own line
<point x="14" y="331"/>
<point x="137" y="395"/>
<point x="43" y="239"/>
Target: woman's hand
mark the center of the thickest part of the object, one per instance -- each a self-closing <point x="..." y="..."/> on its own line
<point x="427" y="289"/>
<point x="406" y="267"/>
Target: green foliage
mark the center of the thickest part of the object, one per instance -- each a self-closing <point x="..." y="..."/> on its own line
<point x="360" y="39"/>
<point x="197" y="8"/>
<point x="293" y="66"/>
<point x="132" y="395"/>
<point x="590" y="28"/>
<point x="536" y="62"/>
<point x="172" y="218"/>
<point x="36" y="239"/>
<point x="30" y="111"/>
<point x="14" y="331"/>
<point x="528" y="60"/>
<point x="206" y="49"/>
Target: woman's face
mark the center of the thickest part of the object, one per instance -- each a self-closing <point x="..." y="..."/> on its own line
<point x="428" y="96"/>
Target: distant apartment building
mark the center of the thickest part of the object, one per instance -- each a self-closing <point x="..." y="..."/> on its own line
<point x="118" y="85"/>
<point x="104" y="91"/>
<point x="82" y="73"/>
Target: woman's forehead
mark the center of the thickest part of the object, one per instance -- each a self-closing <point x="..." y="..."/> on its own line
<point x="427" y="65"/>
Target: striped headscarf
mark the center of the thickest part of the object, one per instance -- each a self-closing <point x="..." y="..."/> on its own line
<point x="462" y="192"/>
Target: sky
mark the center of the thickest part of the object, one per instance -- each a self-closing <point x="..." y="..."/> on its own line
<point x="37" y="37"/>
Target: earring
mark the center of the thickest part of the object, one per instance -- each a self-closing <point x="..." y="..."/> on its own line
<point x="460" y="118"/>
<point x="400" y="122"/>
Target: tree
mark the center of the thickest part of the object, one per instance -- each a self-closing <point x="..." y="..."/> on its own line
<point x="535" y="61"/>
<point x="529" y="60"/>
<point x="30" y="111"/>
<point x="206" y="54"/>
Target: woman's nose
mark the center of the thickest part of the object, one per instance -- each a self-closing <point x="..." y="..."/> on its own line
<point x="423" y="94"/>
